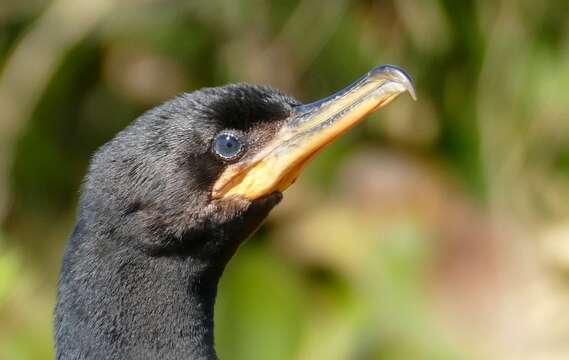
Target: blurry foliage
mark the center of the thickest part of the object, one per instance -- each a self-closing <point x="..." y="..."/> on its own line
<point x="436" y="230"/>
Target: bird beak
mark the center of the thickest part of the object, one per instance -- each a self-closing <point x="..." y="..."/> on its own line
<point x="307" y="131"/>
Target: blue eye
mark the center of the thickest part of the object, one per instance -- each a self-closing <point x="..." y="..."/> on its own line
<point x="227" y="146"/>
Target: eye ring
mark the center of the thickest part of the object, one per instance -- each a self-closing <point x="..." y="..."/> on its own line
<point x="228" y="145"/>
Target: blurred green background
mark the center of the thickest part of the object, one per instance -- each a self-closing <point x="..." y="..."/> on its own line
<point x="438" y="229"/>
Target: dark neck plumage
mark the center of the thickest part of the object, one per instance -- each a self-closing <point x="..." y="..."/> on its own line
<point x="120" y="301"/>
<point x="131" y="305"/>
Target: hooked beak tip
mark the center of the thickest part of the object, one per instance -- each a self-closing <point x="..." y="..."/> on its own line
<point x="395" y="74"/>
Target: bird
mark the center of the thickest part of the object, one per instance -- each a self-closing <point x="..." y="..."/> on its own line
<point x="168" y="201"/>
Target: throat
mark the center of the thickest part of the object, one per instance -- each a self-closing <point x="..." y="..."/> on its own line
<point x="140" y="307"/>
<point x="150" y="301"/>
<point x="175" y="308"/>
<point x="197" y="331"/>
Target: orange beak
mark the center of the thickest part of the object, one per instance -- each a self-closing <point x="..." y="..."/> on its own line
<point x="307" y="131"/>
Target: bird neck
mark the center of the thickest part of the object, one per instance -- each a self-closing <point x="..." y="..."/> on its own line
<point x="117" y="300"/>
<point x="177" y="301"/>
<point x="185" y="300"/>
<point x="131" y="305"/>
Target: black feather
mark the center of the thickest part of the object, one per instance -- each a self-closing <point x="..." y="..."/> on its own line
<point x="140" y="272"/>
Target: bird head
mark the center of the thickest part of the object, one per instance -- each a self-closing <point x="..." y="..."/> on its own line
<point x="211" y="164"/>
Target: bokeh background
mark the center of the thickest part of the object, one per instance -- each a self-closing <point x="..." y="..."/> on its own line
<point x="438" y="229"/>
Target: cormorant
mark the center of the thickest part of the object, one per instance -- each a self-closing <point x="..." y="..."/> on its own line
<point x="168" y="201"/>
